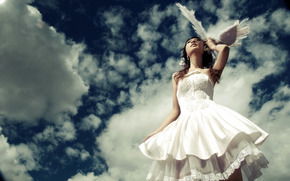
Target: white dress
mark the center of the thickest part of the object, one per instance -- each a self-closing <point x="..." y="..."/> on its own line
<point x="207" y="141"/>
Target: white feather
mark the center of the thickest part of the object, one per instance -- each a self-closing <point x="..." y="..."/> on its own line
<point x="197" y="26"/>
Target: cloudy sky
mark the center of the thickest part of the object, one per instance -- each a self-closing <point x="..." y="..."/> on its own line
<point x="83" y="82"/>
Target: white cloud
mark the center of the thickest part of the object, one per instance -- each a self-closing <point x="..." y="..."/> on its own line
<point x="83" y="64"/>
<point x="67" y="131"/>
<point x="37" y="79"/>
<point x="147" y="53"/>
<point x="122" y="97"/>
<point x="47" y="134"/>
<point x="119" y="144"/>
<point x="123" y="64"/>
<point x="270" y="23"/>
<point x="209" y="6"/>
<point x="238" y="81"/>
<point x="15" y="161"/>
<point x="82" y="154"/>
<point x="151" y="71"/>
<point x="155" y="16"/>
<point x="72" y="152"/>
<point x="114" y="20"/>
<point x="178" y="33"/>
<point x="116" y="70"/>
<point x="280" y="20"/>
<point x="53" y="4"/>
<point x="148" y="32"/>
<point x="90" y="122"/>
<point x="55" y="134"/>
<point x="259" y="25"/>
<point x="274" y="117"/>
<point x="45" y="143"/>
<point x="230" y="8"/>
<point x="268" y="55"/>
<point x="116" y="79"/>
<point x="84" y="177"/>
<point x="26" y="157"/>
<point x="91" y="177"/>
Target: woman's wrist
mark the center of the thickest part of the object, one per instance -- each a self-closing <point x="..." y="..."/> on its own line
<point x="211" y="44"/>
<point x="155" y="132"/>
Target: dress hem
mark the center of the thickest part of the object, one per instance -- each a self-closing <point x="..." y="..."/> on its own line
<point x="258" y="141"/>
<point x="246" y="158"/>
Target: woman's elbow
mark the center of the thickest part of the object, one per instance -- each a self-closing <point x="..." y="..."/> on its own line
<point x="176" y="111"/>
<point x="225" y="49"/>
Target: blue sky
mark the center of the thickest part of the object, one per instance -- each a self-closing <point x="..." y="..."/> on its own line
<point x="83" y="82"/>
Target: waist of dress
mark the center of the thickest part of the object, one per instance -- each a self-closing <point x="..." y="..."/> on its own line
<point x="196" y="104"/>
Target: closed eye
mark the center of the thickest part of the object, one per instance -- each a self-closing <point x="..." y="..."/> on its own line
<point x="193" y="41"/>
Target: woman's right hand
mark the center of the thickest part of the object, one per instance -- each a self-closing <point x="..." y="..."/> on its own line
<point x="211" y="43"/>
<point x="151" y="134"/>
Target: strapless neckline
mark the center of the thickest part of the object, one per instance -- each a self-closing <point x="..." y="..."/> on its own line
<point x="192" y="72"/>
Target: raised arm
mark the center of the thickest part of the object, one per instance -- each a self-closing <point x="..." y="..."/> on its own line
<point x="174" y="113"/>
<point x="223" y="54"/>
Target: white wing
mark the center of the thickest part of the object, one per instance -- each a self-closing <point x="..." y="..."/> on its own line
<point x="231" y="35"/>
<point x="195" y="23"/>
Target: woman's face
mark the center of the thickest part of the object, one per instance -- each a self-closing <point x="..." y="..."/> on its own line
<point x="194" y="45"/>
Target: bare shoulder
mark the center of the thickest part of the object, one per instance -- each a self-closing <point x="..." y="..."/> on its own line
<point x="174" y="74"/>
<point x="173" y="77"/>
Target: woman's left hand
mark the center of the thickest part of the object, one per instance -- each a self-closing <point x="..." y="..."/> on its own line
<point x="151" y="134"/>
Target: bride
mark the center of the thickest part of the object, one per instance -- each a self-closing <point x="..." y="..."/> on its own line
<point x="199" y="139"/>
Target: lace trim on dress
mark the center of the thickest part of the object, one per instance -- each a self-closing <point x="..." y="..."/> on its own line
<point x="247" y="157"/>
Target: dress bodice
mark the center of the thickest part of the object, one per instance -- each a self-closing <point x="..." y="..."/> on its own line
<point x="194" y="89"/>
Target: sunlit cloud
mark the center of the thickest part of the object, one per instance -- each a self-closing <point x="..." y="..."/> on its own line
<point x="2" y="1"/>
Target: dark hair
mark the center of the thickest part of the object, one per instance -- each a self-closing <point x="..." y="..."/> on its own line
<point x="207" y="62"/>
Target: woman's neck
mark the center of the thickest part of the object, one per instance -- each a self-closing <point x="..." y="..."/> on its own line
<point x="195" y="62"/>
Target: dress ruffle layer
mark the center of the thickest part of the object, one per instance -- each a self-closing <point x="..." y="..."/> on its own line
<point x="245" y="155"/>
<point x="202" y="132"/>
<point x="206" y="143"/>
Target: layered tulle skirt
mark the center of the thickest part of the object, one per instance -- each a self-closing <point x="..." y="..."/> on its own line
<point x="206" y="143"/>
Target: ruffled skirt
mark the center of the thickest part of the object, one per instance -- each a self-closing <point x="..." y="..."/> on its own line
<point x="206" y="143"/>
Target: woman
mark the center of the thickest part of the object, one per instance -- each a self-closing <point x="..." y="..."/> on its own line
<point x="201" y="140"/>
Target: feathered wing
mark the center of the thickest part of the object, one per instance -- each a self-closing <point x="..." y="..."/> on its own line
<point x="197" y="26"/>
<point x="231" y="35"/>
